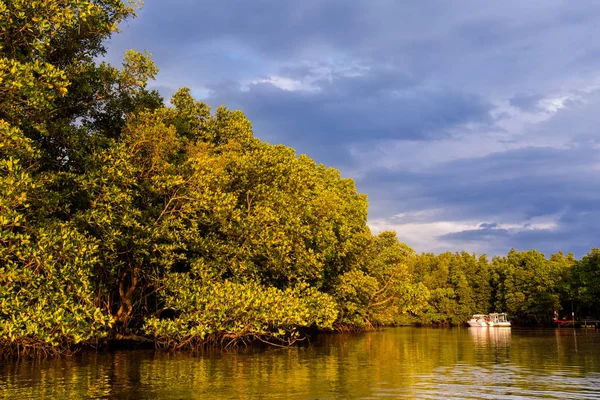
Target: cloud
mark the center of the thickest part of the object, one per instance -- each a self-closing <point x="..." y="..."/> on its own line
<point x="541" y="198"/>
<point x="341" y="110"/>
<point x="469" y="125"/>
<point x="526" y="101"/>
<point x="502" y="46"/>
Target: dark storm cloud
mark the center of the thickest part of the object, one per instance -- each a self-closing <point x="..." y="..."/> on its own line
<point x="521" y="184"/>
<point x="576" y="233"/>
<point x="519" y="181"/>
<point x="203" y="35"/>
<point x="368" y="74"/>
<point x="347" y="110"/>
<point x="467" y="43"/>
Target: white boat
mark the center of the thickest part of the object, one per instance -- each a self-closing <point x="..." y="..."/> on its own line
<point x="499" y="320"/>
<point x="478" y="321"/>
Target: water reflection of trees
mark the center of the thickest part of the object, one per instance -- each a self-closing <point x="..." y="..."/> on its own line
<point x="332" y="366"/>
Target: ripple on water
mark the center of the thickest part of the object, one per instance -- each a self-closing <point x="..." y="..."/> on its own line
<point x="396" y="363"/>
<point x="498" y="382"/>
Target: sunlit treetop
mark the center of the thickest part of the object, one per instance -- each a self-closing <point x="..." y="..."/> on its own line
<point x="38" y="29"/>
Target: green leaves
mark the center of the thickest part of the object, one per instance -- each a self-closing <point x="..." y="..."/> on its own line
<point x="119" y="215"/>
<point x="382" y="291"/>
<point x="527" y="284"/>
<point x="46" y="290"/>
<point x="237" y="311"/>
<point x="32" y="28"/>
<point x="108" y="198"/>
<point x="27" y="88"/>
<point x="583" y="285"/>
<point x="459" y="284"/>
<point x="47" y="293"/>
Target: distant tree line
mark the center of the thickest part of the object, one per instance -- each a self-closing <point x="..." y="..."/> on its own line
<point x="527" y="285"/>
<point x="125" y="219"/>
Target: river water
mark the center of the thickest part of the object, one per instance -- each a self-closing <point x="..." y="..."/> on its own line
<point x="423" y="363"/>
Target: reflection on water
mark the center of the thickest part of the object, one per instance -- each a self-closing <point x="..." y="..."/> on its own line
<point x="403" y="362"/>
<point x="491" y="337"/>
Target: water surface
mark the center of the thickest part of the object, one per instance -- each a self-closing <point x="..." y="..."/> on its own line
<point x="423" y="363"/>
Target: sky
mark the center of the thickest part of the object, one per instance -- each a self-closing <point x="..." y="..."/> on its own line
<point x="470" y="125"/>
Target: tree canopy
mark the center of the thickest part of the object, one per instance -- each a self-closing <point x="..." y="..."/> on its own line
<point x="124" y="217"/>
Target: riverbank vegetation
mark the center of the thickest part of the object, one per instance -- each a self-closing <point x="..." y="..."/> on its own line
<point x="122" y="217"/>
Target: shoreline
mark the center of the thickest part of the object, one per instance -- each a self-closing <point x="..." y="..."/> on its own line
<point x="14" y="351"/>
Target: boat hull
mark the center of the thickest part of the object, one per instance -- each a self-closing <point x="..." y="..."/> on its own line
<point x="499" y="320"/>
<point x="477" y="324"/>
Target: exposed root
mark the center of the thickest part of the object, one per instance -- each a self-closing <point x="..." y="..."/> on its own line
<point x="228" y="341"/>
<point x="33" y="348"/>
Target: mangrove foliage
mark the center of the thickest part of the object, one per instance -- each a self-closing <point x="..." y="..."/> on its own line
<point x="122" y="217"/>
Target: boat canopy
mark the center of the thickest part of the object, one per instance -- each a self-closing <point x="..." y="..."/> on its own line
<point x="499" y="317"/>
